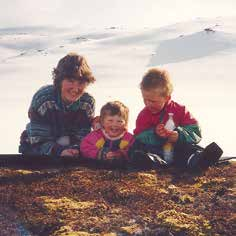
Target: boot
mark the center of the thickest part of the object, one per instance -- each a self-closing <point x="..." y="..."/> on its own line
<point x="206" y="157"/>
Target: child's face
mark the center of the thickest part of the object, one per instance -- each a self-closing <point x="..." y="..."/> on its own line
<point x="114" y="126"/>
<point x="153" y="100"/>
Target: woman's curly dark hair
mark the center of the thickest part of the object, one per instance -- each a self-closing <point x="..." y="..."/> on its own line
<point x="72" y="66"/>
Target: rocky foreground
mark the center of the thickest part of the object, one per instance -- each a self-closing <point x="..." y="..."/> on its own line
<point x="84" y="200"/>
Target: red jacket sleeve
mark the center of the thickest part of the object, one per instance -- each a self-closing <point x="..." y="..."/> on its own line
<point x="143" y="122"/>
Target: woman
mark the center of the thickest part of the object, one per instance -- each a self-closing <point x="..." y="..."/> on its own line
<point x="60" y="114"/>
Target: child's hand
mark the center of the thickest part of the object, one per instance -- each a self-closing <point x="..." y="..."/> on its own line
<point x="114" y="155"/>
<point x="109" y="155"/>
<point x="165" y="133"/>
<point x="173" y="136"/>
<point x="162" y="131"/>
<point x="96" y="123"/>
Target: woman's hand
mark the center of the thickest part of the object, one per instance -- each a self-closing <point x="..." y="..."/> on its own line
<point x="70" y="152"/>
<point x="96" y="123"/>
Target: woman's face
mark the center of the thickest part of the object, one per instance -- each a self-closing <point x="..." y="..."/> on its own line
<point x="72" y="90"/>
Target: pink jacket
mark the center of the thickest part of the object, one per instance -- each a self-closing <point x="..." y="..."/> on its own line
<point x="95" y="145"/>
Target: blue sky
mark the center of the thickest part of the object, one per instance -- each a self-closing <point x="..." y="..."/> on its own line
<point x="105" y="13"/>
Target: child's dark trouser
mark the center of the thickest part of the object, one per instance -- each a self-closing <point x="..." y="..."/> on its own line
<point x="193" y="156"/>
<point x="182" y="152"/>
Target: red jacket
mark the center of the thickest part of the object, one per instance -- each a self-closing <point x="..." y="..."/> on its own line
<point x="186" y="125"/>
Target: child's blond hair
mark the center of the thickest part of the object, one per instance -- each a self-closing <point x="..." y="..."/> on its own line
<point x="156" y="78"/>
<point x="115" y="108"/>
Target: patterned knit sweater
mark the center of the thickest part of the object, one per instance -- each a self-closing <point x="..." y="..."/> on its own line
<point x="51" y="120"/>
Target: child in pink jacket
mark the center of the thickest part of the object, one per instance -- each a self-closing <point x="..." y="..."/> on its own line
<point x="111" y="141"/>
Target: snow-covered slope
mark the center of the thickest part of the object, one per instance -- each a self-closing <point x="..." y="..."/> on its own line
<point x="201" y="63"/>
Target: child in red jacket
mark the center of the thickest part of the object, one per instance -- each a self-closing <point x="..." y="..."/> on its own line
<point x="151" y="132"/>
